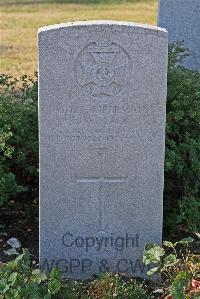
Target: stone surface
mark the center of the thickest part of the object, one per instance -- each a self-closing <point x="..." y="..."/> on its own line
<point x="102" y="90"/>
<point x="182" y="20"/>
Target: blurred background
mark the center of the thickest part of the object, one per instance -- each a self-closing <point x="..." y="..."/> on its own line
<point x="20" y="20"/>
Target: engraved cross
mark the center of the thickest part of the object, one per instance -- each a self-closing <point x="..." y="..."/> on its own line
<point x="101" y="180"/>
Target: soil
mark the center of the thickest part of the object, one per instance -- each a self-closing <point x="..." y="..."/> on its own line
<point x="19" y="219"/>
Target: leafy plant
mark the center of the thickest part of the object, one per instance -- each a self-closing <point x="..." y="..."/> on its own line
<point x="18" y="280"/>
<point x="182" y="163"/>
<point x="18" y="136"/>
<point x="179" y="268"/>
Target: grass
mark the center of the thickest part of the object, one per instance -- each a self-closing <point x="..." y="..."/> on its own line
<point x="20" y="20"/>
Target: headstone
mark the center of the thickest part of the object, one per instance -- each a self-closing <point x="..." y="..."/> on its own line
<point x="102" y="90"/>
<point x="182" y="20"/>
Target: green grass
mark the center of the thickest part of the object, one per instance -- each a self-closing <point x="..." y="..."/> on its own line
<point x="20" y="20"/>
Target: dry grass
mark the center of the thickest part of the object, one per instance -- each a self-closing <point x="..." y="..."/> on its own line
<point x="20" y="23"/>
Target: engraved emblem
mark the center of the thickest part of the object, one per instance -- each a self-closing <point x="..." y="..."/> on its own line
<point x="103" y="69"/>
<point x="100" y="181"/>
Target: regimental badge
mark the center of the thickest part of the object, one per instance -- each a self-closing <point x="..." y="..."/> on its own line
<point x="103" y="69"/>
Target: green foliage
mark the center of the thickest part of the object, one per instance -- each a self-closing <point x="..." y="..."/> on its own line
<point x="180" y="282"/>
<point x="18" y="280"/>
<point x="8" y="185"/>
<point x="153" y="254"/>
<point x="18" y="136"/>
<point x="179" y="267"/>
<point x="190" y="212"/>
<point x="182" y="163"/>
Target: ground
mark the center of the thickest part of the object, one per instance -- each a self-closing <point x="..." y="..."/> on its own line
<point x="22" y="18"/>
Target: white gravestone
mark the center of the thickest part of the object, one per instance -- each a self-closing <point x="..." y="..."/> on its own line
<point x="182" y="20"/>
<point x="102" y="92"/>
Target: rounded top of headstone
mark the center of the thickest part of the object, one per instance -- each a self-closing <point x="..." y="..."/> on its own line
<point x="131" y="25"/>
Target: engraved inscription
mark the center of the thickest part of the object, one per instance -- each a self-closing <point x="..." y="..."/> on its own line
<point x="100" y="180"/>
<point x="103" y="69"/>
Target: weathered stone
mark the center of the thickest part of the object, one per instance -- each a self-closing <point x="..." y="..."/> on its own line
<point x="102" y="90"/>
<point x="182" y="20"/>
